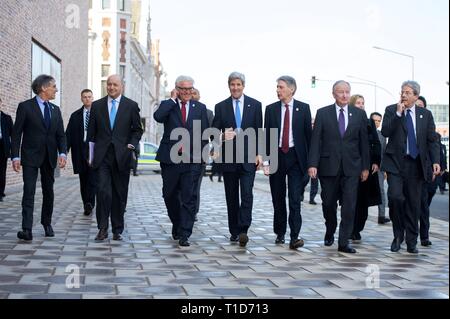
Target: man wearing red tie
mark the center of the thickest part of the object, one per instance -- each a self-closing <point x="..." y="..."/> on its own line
<point x="292" y="118"/>
<point x="178" y="161"/>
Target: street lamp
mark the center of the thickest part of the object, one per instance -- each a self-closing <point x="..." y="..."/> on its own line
<point x="368" y="81"/>
<point x="399" y="53"/>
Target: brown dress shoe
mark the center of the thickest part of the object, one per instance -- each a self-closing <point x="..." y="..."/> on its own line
<point x="102" y="234"/>
<point x="243" y="239"/>
<point x="298" y="243"/>
<point x="117" y="236"/>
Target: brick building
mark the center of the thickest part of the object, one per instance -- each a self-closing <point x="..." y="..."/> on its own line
<point x="45" y="36"/>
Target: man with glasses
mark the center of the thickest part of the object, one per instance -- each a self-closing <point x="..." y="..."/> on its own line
<point x="234" y="116"/>
<point x="180" y="158"/>
<point x="411" y="134"/>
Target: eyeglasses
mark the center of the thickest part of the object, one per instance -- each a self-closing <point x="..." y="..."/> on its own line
<point x="185" y="89"/>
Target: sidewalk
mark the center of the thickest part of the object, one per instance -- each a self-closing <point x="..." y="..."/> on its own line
<point x="149" y="264"/>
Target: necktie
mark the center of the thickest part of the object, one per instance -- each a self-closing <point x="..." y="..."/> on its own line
<point x="286" y="128"/>
<point x="237" y="115"/>
<point x="341" y="122"/>
<point x="113" y="113"/>
<point x="183" y="113"/>
<point x="86" y="121"/>
<point x="412" y="143"/>
<point x="47" y="115"/>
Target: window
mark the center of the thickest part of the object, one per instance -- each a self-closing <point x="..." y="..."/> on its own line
<point x="106" y="4"/>
<point x="43" y="62"/>
<point x="104" y="90"/>
<point x="121" y="5"/>
<point x="105" y="70"/>
<point x="122" y="71"/>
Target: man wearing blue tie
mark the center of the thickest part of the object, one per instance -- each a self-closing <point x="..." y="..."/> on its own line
<point x="115" y="130"/>
<point x="38" y="143"/>
<point x="411" y="134"/>
<point x="234" y="116"/>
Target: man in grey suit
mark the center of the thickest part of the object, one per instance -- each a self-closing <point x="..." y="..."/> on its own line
<point x="339" y="155"/>
<point x="412" y="138"/>
<point x="382" y="219"/>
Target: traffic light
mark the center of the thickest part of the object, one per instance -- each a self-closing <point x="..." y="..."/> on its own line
<point x="313" y="81"/>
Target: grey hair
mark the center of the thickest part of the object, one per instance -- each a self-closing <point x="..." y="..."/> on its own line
<point x="413" y="85"/>
<point x="236" y="76"/>
<point x="184" y="78"/>
<point x="341" y="82"/>
<point x="290" y="81"/>
<point x="41" y="81"/>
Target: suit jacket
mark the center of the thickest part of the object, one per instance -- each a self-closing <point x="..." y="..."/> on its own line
<point x="6" y="124"/>
<point x="127" y="130"/>
<point x="382" y="142"/>
<point x="301" y="129"/>
<point x="329" y="149"/>
<point x="210" y="116"/>
<point x="30" y="129"/>
<point x="394" y="128"/>
<point x="75" y="141"/>
<point x="251" y="118"/>
<point x="169" y="113"/>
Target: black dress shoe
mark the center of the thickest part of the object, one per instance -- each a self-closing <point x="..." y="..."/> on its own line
<point x="243" y="239"/>
<point x="184" y="243"/>
<point x="102" y="234"/>
<point x="383" y="220"/>
<point x="395" y="246"/>
<point x="117" y="236"/>
<point x="88" y="209"/>
<point x="328" y="241"/>
<point x="312" y="202"/>
<point x="356" y="236"/>
<point x="25" y="234"/>
<point x="1" y="199"/>
<point x="412" y="250"/>
<point x="347" y="249"/>
<point x="175" y="237"/>
<point x="49" y="231"/>
<point x="234" y="238"/>
<point x="425" y="242"/>
<point x="294" y="244"/>
<point x="279" y="240"/>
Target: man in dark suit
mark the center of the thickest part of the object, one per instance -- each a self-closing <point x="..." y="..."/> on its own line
<point x="339" y="155"/>
<point x="233" y="117"/>
<point x="6" y="124"/>
<point x="39" y="127"/>
<point x="198" y="174"/>
<point x="179" y="158"/>
<point x="292" y="119"/>
<point x="114" y="130"/>
<point x="76" y="135"/>
<point x="412" y="142"/>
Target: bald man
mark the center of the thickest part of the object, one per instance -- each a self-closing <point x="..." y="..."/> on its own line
<point x="115" y="128"/>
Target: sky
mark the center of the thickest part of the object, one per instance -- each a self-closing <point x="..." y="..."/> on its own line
<point x="332" y="40"/>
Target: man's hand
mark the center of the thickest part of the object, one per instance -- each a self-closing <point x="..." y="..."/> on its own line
<point x="258" y="162"/>
<point x="174" y="94"/>
<point x="266" y="169"/>
<point x="375" y="168"/>
<point x="130" y="146"/>
<point x="229" y="134"/>
<point x="400" y="107"/>
<point x="16" y="166"/>
<point x="364" y="175"/>
<point x="436" y="169"/>
<point x="62" y="162"/>
<point x="312" y="172"/>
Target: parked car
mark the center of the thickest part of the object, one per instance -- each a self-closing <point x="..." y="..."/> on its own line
<point x="147" y="155"/>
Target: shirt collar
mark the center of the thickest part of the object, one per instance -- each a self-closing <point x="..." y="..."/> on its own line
<point x="179" y="102"/>
<point x="40" y="100"/>
<point x="241" y="100"/>
<point x="413" y="109"/>
<point x="338" y="108"/>
<point x="291" y="103"/>
<point x="117" y="99"/>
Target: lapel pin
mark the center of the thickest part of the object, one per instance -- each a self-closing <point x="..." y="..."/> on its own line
<point x="421" y="116"/>
<point x="248" y="105"/>
<point x="350" y="114"/>
<point x="297" y="109"/>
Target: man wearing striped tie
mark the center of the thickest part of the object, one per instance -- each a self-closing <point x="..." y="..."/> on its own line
<point x="76" y="135"/>
<point x="115" y="130"/>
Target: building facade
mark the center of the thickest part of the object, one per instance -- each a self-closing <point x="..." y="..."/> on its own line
<point x="45" y="36"/>
<point x="120" y="43"/>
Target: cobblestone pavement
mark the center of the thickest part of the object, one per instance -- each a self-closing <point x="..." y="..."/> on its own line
<point x="149" y="264"/>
